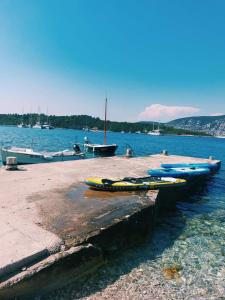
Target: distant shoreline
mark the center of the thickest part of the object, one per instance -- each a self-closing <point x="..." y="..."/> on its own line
<point x="91" y="123"/>
<point x="110" y="131"/>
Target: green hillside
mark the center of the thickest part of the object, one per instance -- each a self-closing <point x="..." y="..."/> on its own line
<point x="81" y="121"/>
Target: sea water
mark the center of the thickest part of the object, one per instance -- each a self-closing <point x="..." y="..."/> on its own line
<point x="185" y="258"/>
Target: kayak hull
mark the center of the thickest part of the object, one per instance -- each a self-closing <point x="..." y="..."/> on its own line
<point x="132" y="185"/>
<point x="179" y="172"/>
<point x="211" y="166"/>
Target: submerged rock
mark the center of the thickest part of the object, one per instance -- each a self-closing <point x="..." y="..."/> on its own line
<point x="171" y="273"/>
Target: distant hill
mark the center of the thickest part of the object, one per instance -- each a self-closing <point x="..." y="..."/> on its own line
<point x="214" y="125"/>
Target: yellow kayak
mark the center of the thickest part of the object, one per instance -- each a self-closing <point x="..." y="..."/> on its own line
<point x="132" y="183"/>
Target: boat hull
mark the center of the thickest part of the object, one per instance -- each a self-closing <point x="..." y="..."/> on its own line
<point x="101" y="150"/>
<point x="37" y="158"/>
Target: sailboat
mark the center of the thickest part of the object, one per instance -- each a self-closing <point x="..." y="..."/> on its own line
<point x="101" y="149"/>
<point x="47" y="124"/>
<point x="22" y="125"/>
<point x="38" y="125"/>
<point x="155" y="131"/>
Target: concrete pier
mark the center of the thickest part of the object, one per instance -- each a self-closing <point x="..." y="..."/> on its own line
<point x="54" y="229"/>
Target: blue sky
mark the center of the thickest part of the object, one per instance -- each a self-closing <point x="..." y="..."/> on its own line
<point x="155" y="59"/>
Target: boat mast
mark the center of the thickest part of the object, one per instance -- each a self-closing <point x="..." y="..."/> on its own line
<point x="39" y="116"/>
<point x="105" y="121"/>
<point x="47" y="116"/>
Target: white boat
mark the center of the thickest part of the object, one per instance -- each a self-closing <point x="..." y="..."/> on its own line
<point x="94" y="129"/>
<point x="155" y="131"/>
<point x="29" y="156"/>
<point x="22" y="125"/>
<point x="220" y="136"/>
<point x="47" y="126"/>
<point x="37" y="126"/>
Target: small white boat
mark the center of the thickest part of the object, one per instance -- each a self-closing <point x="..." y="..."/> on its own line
<point x="47" y="126"/>
<point x="154" y="131"/>
<point x="37" y="125"/>
<point x="22" y="125"/>
<point x="220" y="136"/>
<point x="29" y="156"/>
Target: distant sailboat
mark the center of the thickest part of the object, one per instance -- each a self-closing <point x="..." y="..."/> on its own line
<point x="102" y="149"/>
<point x="22" y="125"/>
<point x="154" y="131"/>
<point x="38" y="125"/>
<point x="47" y="124"/>
<point x="86" y="128"/>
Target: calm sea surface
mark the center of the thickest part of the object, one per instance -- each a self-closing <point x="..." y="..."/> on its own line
<point x="190" y="240"/>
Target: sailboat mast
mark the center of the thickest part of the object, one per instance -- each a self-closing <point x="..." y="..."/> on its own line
<point x="105" y="121"/>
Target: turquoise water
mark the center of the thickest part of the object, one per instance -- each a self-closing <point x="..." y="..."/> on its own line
<point x="59" y="139"/>
<point x="191" y="239"/>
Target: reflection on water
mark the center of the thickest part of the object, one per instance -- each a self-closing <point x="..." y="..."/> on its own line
<point x="91" y="193"/>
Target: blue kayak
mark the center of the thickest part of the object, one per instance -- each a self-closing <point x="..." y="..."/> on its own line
<point x="211" y="166"/>
<point x="179" y="172"/>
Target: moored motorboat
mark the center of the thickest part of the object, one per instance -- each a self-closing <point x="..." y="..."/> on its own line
<point x="29" y="156"/>
<point x="132" y="183"/>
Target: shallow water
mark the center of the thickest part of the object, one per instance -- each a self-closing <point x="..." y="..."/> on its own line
<point x="185" y="259"/>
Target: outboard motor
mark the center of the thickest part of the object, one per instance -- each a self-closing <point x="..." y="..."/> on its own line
<point x="86" y="140"/>
<point x="76" y="148"/>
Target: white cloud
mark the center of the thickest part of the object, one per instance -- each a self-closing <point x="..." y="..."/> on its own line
<point x="161" y="112"/>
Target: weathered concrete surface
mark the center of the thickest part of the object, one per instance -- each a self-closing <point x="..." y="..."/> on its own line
<point x="52" y="272"/>
<point x="46" y="205"/>
<point x="22" y="243"/>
